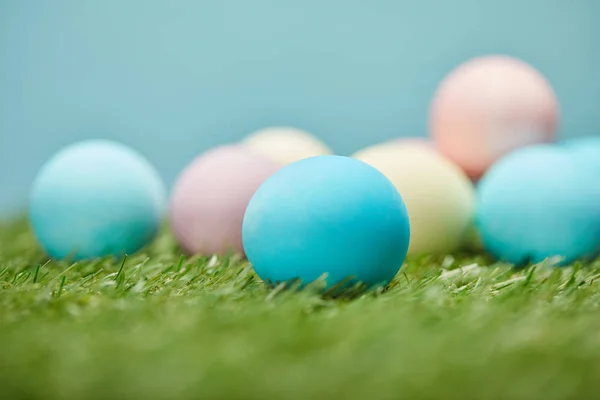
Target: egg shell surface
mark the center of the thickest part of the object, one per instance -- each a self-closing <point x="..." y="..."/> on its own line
<point x="96" y="198"/>
<point x="328" y="215"/>
<point x="285" y="145"/>
<point x="538" y="203"/>
<point x="211" y="195"/>
<point x="488" y="107"/>
<point x="439" y="197"/>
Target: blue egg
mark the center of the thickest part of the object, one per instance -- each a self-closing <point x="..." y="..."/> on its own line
<point x="96" y="198"/>
<point x="537" y="203"/>
<point x="585" y="150"/>
<point x="329" y="215"/>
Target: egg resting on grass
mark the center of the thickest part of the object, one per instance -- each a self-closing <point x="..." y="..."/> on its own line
<point x="328" y="215"/>
<point x="438" y="195"/>
<point x="210" y="197"/>
<point x="537" y="203"/>
<point x="489" y="106"/>
<point x="96" y="198"/>
<point x="285" y="145"/>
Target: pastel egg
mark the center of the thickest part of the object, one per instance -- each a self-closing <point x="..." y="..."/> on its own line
<point x="96" y="198"/>
<point x="585" y="151"/>
<point x="285" y="145"/>
<point x="538" y="203"/>
<point x="211" y="195"/>
<point x="489" y="106"/>
<point x="438" y="195"/>
<point x="327" y="215"/>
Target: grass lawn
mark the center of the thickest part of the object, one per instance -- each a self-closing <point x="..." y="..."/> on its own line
<point x="159" y="326"/>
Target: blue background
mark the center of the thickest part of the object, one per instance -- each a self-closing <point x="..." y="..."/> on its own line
<point x="173" y="78"/>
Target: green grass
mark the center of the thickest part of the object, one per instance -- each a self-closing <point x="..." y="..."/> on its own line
<point x="159" y="326"/>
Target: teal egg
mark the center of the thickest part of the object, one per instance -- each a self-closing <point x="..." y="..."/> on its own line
<point x="96" y="198"/>
<point x="326" y="215"/>
<point x="536" y="203"/>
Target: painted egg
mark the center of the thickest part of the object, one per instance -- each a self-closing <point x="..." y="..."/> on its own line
<point x="538" y="203"/>
<point x="438" y="195"/>
<point x="489" y="106"/>
<point x="96" y="198"/>
<point x="329" y="216"/>
<point x="285" y="145"/>
<point x="211" y="195"/>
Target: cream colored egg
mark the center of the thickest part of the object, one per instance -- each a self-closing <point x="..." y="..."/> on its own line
<point x="285" y="144"/>
<point x="438" y="195"/>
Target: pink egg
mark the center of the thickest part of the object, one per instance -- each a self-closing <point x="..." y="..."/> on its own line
<point x="211" y="195"/>
<point x="488" y="107"/>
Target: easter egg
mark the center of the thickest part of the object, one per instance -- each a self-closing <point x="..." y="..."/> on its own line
<point x="585" y="151"/>
<point x="326" y="215"/>
<point x="285" y="145"/>
<point x="211" y="195"/>
<point x="489" y="106"/>
<point x="538" y="203"/>
<point x="96" y="198"/>
<point x="438" y="195"/>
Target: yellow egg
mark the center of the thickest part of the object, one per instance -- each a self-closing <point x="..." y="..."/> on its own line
<point x="438" y="195"/>
<point x="285" y="145"/>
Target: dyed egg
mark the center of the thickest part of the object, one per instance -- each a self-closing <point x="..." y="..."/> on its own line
<point x="438" y="195"/>
<point x="537" y="203"/>
<point x="585" y="151"/>
<point x="328" y="215"/>
<point x="96" y="198"/>
<point x="285" y="145"/>
<point x="210" y="197"/>
<point x="488" y="107"/>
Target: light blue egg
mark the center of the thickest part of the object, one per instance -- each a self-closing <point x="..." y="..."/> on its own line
<point x="585" y="150"/>
<point x="326" y="215"/>
<point x="536" y="203"/>
<point x="96" y="198"/>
